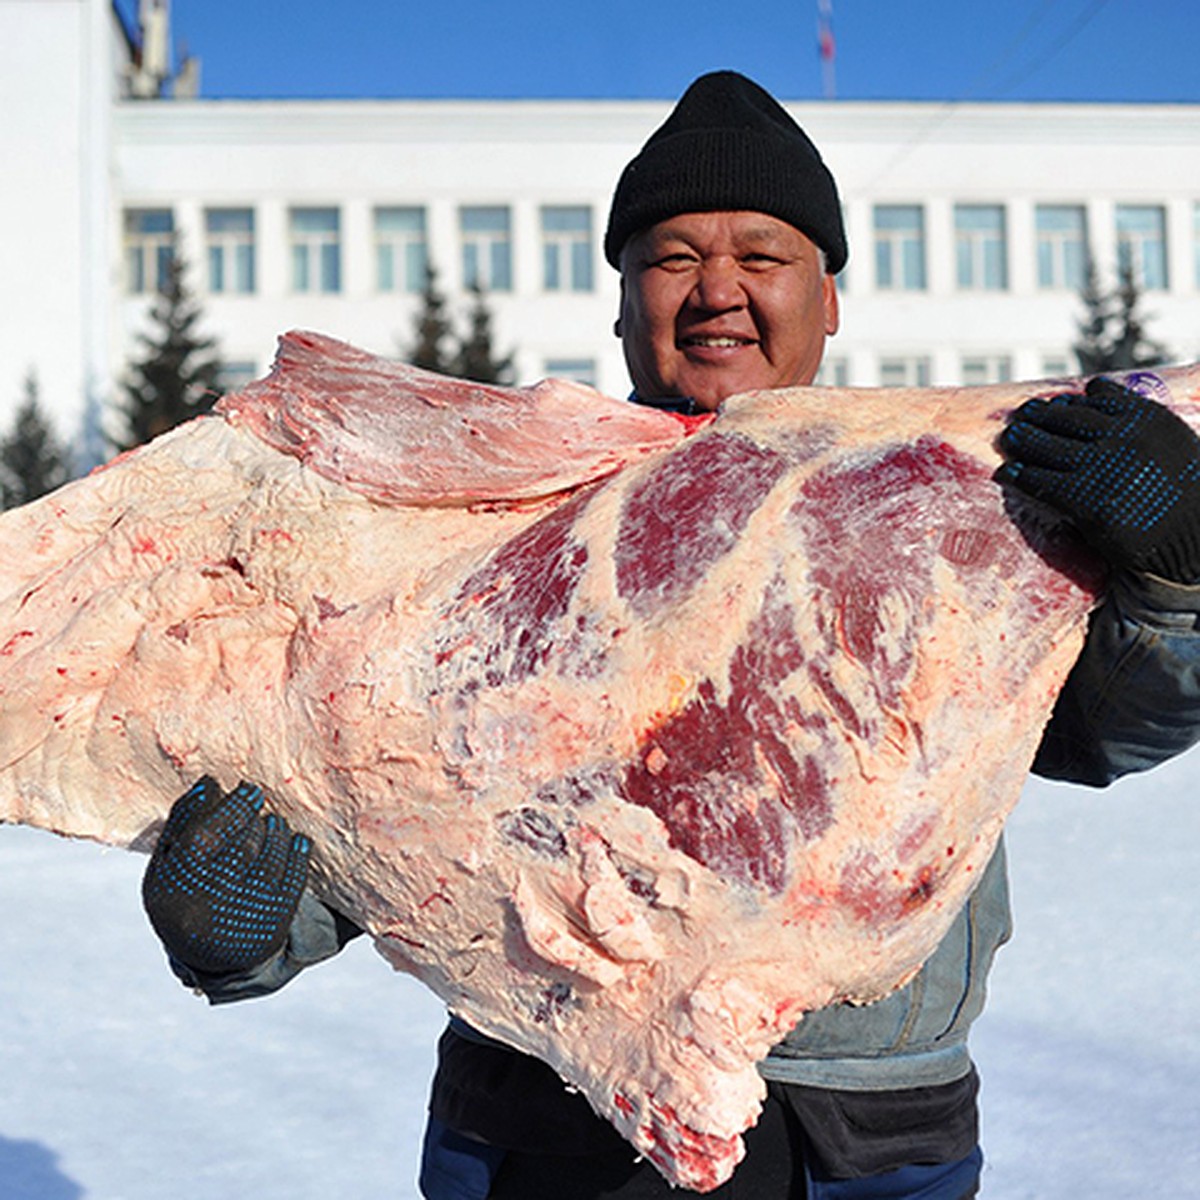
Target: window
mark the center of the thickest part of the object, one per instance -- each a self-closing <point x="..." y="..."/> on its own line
<point x="904" y="372"/>
<point x="834" y="372"/>
<point x="567" y="249"/>
<point x="235" y="375"/>
<point x="149" y="248"/>
<point x="581" y="370"/>
<point x="229" y="234"/>
<point x="1062" y="246"/>
<point x="900" y="247"/>
<point x="980" y="247"/>
<point x="1055" y="366"/>
<point x="1196" y="240"/>
<point x="1142" y="244"/>
<point x="986" y="368"/>
<point x="316" y="250"/>
<point x="843" y="276"/>
<point x="486" y="248"/>
<point x="401" y="251"/>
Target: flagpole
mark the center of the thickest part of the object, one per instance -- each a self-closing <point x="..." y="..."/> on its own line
<point x="826" y="48"/>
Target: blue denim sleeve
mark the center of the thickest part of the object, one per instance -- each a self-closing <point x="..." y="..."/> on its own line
<point x="317" y="933"/>
<point x="1132" y="700"/>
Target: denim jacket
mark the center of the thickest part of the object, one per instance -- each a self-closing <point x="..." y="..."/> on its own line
<point x="1131" y="701"/>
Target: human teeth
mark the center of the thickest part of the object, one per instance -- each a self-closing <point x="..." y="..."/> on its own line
<point x="715" y="341"/>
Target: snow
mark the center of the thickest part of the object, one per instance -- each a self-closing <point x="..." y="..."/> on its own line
<point x="118" y="1084"/>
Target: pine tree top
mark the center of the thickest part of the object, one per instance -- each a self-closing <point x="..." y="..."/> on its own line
<point x="433" y="329"/>
<point x="32" y="460"/>
<point x="176" y="377"/>
<point x="1112" y="333"/>
<point x="475" y="359"/>
<point x="437" y="346"/>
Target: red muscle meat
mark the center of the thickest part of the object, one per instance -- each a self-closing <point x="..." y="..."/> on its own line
<point x="634" y="737"/>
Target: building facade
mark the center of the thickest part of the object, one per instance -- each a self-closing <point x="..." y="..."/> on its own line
<point x="969" y="224"/>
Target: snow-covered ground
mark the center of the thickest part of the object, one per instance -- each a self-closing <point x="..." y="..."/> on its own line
<point x="117" y="1084"/>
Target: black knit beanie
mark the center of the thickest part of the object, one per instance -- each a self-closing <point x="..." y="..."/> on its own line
<point x="728" y="146"/>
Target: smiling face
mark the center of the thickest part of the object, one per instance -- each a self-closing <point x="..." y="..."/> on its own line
<point x="713" y="304"/>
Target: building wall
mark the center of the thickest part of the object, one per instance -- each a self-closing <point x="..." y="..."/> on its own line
<point x="59" y="61"/>
<point x="41" y="251"/>
<point x="1018" y="156"/>
<point x="88" y="158"/>
<point x="522" y="155"/>
<point x="360" y="156"/>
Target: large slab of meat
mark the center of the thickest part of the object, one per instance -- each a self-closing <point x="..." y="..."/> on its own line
<point x="634" y="738"/>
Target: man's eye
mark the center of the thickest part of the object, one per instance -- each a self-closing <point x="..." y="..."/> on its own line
<point x="757" y="262"/>
<point x="675" y="262"/>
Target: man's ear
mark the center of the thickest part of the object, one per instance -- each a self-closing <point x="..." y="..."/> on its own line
<point x="620" y="308"/>
<point x="830" y="298"/>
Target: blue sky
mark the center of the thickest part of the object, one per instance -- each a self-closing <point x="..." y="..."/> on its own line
<point x="1137" y="50"/>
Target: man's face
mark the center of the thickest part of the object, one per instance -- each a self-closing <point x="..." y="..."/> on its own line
<point x="713" y="304"/>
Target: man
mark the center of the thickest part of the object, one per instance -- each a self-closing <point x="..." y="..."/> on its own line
<point x="727" y="231"/>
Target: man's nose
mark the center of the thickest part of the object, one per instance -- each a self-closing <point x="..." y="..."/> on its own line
<point x="718" y="285"/>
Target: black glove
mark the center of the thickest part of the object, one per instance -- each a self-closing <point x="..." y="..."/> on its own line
<point x="1123" y="469"/>
<point x="224" y="880"/>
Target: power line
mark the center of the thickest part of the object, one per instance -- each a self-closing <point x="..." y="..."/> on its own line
<point x="949" y="107"/>
<point x="1016" y="43"/>
<point x="1064" y="40"/>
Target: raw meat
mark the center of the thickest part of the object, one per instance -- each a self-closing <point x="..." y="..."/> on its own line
<point x="635" y="738"/>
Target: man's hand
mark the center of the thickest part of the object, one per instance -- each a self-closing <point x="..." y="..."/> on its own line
<point x="224" y="880"/>
<point x="1123" y="469"/>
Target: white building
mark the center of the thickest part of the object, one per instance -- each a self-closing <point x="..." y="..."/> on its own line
<point x="968" y="223"/>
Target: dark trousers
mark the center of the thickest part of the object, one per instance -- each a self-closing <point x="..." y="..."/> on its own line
<point x="527" y="1137"/>
<point x="456" y="1168"/>
<point x="768" y="1172"/>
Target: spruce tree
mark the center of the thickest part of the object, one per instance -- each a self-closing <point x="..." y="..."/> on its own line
<point x="437" y="345"/>
<point x="1132" y="345"/>
<point x="474" y="359"/>
<point x="432" y="328"/>
<point x="176" y="378"/>
<point x="1112" y="333"/>
<point x="32" y="462"/>
<point x="1092" y="348"/>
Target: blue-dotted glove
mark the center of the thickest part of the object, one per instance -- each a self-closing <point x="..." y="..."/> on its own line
<point x="1123" y="469"/>
<point x="224" y="880"/>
